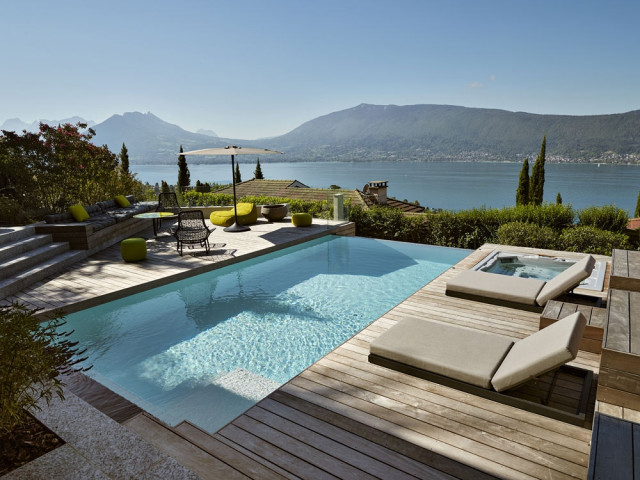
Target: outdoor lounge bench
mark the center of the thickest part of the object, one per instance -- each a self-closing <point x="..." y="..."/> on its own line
<point x="619" y="377"/>
<point x="107" y="224"/>
<point x="485" y="364"/>
<point x="518" y="292"/>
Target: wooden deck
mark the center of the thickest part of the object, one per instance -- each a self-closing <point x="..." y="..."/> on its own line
<point x="346" y="418"/>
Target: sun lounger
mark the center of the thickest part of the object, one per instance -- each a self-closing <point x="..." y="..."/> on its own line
<point x="482" y="363"/>
<point x="524" y="293"/>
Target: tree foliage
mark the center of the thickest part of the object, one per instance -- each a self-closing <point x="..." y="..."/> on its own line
<point x="236" y="175"/>
<point x="257" y="174"/>
<point x="522" y="193"/>
<point x="536" y="184"/>
<point x="124" y="159"/>
<point x="184" y="177"/>
<point x="32" y="356"/>
<point x="636" y="213"/>
<point x="47" y="171"/>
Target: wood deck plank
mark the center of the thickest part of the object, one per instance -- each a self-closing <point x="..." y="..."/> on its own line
<point x="617" y="331"/>
<point x="392" y="463"/>
<point x="369" y="466"/>
<point x="455" y="428"/>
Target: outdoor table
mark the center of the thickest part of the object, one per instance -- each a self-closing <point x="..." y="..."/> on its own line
<point x="156" y="217"/>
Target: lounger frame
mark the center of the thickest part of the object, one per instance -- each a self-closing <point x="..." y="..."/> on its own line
<point x="577" y="418"/>
<point x="571" y="297"/>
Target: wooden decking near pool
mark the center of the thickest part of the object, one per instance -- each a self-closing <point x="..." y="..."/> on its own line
<point x="344" y="417"/>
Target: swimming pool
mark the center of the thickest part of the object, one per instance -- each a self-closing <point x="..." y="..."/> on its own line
<point x="537" y="266"/>
<point x="207" y="348"/>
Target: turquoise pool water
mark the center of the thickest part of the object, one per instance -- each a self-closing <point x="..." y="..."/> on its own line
<point x="207" y="348"/>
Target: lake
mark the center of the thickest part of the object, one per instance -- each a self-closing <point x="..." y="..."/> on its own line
<point x="447" y="185"/>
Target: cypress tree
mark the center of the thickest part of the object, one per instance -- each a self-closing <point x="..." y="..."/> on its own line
<point x="536" y="185"/>
<point x="165" y="187"/>
<point x="257" y="174"/>
<point x="124" y="159"/>
<point x="522" y="194"/>
<point x="236" y="175"/>
<point x="636" y="214"/>
<point x="559" y="199"/>
<point x="184" y="177"/>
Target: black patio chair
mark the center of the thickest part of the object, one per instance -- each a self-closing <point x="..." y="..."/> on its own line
<point x="192" y="230"/>
<point x="167" y="202"/>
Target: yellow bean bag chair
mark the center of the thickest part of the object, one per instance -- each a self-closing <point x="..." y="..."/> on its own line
<point x="247" y="214"/>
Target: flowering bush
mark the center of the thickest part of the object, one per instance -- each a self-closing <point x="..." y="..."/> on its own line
<point x="50" y="170"/>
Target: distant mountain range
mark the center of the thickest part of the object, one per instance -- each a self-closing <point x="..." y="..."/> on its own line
<point x="390" y="132"/>
<point x="17" y="125"/>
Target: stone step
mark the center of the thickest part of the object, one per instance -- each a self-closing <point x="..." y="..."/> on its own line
<point x="31" y="258"/>
<point x="12" y="234"/>
<point x="25" y="248"/>
<point x="12" y="250"/>
<point x="168" y="441"/>
<point x="28" y="277"/>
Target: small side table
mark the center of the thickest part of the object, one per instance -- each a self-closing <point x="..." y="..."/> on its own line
<point x="156" y="217"/>
<point x="593" y="332"/>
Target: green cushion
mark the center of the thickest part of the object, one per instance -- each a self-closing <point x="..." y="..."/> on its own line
<point x="301" y="219"/>
<point x="133" y="249"/>
<point x="247" y="214"/>
<point x="122" y="201"/>
<point x="79" y="213"/>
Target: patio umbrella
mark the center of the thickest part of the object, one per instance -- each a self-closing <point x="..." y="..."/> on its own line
<point x="233" y="151"/>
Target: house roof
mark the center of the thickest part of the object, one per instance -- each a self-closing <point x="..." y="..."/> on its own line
<point x="289" y="189"/>
<point x="634" y="224"/>
<point x="406" y="207"/>
<point x="298" y="191"/>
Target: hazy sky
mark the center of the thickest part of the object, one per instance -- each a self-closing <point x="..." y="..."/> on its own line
<point x="256" y="68"/>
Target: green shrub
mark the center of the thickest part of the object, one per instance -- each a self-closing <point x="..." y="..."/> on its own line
<point x="527" y="235"/>
<point x="608" y="217"/>
<point x="11" y="212"/>
<point x="380" y="222"/>
<point x="318" y="209"/>
<point x="32" y="355"/>
<point x="588" y="239"/>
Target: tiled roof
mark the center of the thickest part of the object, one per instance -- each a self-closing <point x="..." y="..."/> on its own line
<point x="406" y="207"/>
<point x="634" y="223"/>
<point x="284" y="189"/>
<point x="292" y="189"/>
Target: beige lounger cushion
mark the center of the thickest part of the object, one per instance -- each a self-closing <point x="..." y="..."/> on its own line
<point x="456" y="352"/>
<point x="499" y="287"/>
<point x="567" y="280"/>
<point x="540" y="352"/>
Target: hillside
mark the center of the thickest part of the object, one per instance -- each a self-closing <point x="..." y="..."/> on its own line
<point x="413" y="132"/>
<point x="149" y="139"/>
<point x="443" y="132"/>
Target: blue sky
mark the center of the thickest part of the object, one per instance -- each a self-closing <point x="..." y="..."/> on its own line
<point x="255" y="68"/>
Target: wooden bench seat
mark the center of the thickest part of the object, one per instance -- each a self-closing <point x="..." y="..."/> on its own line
<point x="615" y="446"/>
<point x="593" y="333"/>
<point x="619" y="378"/>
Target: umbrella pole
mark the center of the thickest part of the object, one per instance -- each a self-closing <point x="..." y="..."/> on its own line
<point x="236" y="227"/>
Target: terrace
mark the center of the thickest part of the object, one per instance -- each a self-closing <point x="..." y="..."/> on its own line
<point x="343" y="417"/>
